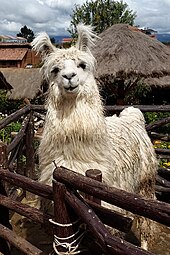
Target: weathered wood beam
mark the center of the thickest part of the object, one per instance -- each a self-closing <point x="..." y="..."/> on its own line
<point x="27" y="183"/>
<point x="19" y="136"/>
<point x="162" y="181"/>
<point x="157" y="124"/>
<point x="118" y="108"/>
<point x="143" y="108"/>
<point x="165" y="173"/>
<point x="14" y="154"/>
<point x="35" y="107"/>
<point x="162" y="151"/>
<point x="29" y="148"/>
<point x="14" y="116"/>
<point x="162" y="189"/>
<point x="152" y="209"/>
<point x="20" y="243"/>
<point x="25" y="210"/>
<point x="39" y="115"/>
<point x="163" y="156"/>
<point x="4" y="212"/>
<point x="108" y="216"/>
<point x="111" y="218"/>
<point x="94" y="174"/>
<point x="63" y="214"/>
<point x="163" y="137"/>
<point x="119" y="221"/>
<point x="110" y="244"/>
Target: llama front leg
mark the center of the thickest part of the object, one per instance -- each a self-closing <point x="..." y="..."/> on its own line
<point x="145" y="228"/>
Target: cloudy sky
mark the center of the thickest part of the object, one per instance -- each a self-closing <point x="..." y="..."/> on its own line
<point x="53" y="16"/>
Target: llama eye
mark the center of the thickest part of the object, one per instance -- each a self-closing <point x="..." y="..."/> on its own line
<point x="82" y="65"/>
<point x="55" y="70"/>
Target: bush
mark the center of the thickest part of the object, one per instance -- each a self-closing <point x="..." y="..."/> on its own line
<point x="5" y="133"/>
<point x="8" y="106"/>
<point x="154" y="116"/>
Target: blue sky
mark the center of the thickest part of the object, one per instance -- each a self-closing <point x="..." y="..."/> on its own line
<point x="53" y="16"/>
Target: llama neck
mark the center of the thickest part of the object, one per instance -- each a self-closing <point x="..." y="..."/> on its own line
<point x="79" y="119"/>
<point x="76" y="133"/>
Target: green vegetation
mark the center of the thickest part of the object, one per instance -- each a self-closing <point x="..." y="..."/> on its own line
<point x="8" y="106"/>
<point x="162" y="145"/>
<point x="154" y="116"/>
<point x="101" y="14"/>
<point x="5" y="133"/>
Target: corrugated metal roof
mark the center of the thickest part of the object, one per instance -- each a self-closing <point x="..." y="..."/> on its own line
<point x="12" y="54"/>
<point x="13" y="38"/>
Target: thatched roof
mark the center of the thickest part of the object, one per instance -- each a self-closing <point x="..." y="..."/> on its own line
<point x="162" y="82"/>
<point x="125" y="51"/>
<point x="3" y="83"/>
<point x="26" y="83"/>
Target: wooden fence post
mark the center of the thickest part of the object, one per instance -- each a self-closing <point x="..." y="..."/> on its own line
<point x="66" y="223"/>
<point x="4" y="215"/>
<point x="94" y="174"/>
<point x="29" y="148"/>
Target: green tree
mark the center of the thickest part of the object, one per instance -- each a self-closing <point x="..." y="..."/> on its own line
<point x="52" y="39"/>
<point x="101" y="14"/>
<point x="27" y="33"/>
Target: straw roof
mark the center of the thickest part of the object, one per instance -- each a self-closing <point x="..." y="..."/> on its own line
<point x="125" y="51"/>
<point x="26" y="83"/>
<point x="3" y="83"/>
<point x="162" y="82"/>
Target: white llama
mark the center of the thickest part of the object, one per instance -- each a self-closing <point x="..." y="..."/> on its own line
<point x="76" y="133"/>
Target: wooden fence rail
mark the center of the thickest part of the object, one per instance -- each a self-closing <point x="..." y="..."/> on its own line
<point x="151" y="209"/>
<point x="27" y="184"/>
<point x="143" y="108"/>
<point x="155" y="210"/>
<point x="109" y="109"/>
<point x="116" y="220"/>
<point x="114" y="243"/>
<point x="110" y="244"/>
<point x="21" y="112"/>
<point x="19" y="242"/>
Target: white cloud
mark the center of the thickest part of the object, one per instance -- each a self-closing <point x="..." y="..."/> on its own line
<point x="152" y="14"/>
<point x="9" y="26"/>
<point x="53" y="16"/>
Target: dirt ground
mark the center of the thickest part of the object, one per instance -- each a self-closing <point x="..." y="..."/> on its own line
<point x="36" y="235"/>
<point x="32" y="232"/>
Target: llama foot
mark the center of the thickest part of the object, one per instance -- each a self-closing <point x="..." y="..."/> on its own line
<point x="144" y="245"/>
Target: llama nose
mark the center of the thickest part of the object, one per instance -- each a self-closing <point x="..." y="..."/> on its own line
<point x="69" y="76"/>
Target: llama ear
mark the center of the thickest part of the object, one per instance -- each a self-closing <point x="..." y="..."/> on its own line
<point x="42" y="44"/>
<point x="86" y="37"/>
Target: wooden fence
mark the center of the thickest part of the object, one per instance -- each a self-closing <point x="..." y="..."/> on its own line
<point x="70" y="209"/>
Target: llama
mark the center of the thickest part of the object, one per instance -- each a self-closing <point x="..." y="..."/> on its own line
<point x="76" y="133"/>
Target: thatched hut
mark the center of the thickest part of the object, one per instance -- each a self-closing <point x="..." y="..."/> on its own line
<point x="127" y="57"/>
<point x="25" y="83"/>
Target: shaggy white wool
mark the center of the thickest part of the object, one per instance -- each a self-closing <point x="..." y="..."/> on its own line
<point x="76" y="133"/>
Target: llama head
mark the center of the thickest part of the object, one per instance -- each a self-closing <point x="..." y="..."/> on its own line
<point x="68" y="71"/>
